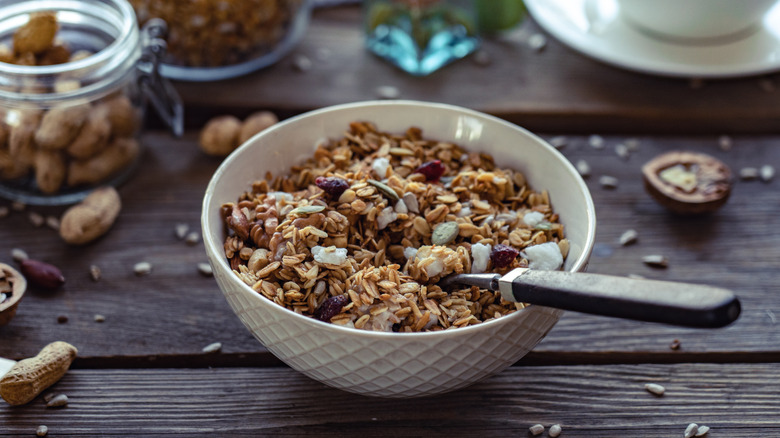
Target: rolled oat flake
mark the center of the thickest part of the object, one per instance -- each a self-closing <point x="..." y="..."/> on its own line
<point x="205" y="269"/>
<point x="555" y="431"/>
<point x="702" y="430"/>
<point x="445" y="233"/>
<point x="766" y="172"/>
<point x="628" y="237"/>
<point x="57" y="401"/>
<point x="213" y="348"/>
<point x="608" y="182"/>
<point x="307" y="209"/>
<point x="142" y="268"/>
<point x="583" y="168"/>
<point x="654" y="388"/>
<point x="691" y="430"/>
<point x="536" y="429"/>
<point x="656" y="261"/>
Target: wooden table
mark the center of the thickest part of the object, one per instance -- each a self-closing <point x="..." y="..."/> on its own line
<point x="142" y="372"/>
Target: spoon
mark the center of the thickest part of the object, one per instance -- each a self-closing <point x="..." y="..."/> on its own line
<point x="689" y="305"/>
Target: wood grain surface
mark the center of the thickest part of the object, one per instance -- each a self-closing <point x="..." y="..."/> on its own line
<point x="737" y="400"/>
<point x="557" y="89"/>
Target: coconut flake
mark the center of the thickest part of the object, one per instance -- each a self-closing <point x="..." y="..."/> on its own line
<point x="330" y="255"/>
<point x="400" y="207"/>
<point x="480" y="254"/>
<point x="380" y="166"/>
<point x="533" y="218"/>
<point x="464" y="211"/>
<point x="545" y="256"/>
<point x="385" y="217"/>
<point x="410" y="252"/>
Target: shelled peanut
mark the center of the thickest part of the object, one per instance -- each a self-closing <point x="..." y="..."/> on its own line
<point x="67" y="144"/>
<point x="222" y="134"/>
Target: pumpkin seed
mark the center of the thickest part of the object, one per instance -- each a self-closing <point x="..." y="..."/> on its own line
<point x="307" y="209"/>
<point x="445" y="233"/>
<point x="386" y="190"/>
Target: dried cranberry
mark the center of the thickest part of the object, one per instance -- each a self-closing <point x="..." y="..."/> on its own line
<point x="503" y="256"/>
<point x="332" y="185"/>
<point x="432" y="170"/>
<point x="330" y="308"/>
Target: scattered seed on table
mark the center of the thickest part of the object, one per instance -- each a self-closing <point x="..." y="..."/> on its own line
<point x="555" y="431"/>
<point x="629" y="237"/>
<point x="632" y="144"/>
<point x="559" y="142"/>
<point x="596" y="141"/>
<point x="19" y="255"/>
<point x="205" y="269"/>
<point x="748" y="173"/>
<point x="636" y="276"/>
<point x="655" y="261"/>
<point x="583" y="168"/>
<point x="696" y="83"/>
<point x="322" y="54"/>
<point x="47" y="397"/>
<point x="53" y="222"/>
<point x="57" y="401"/>
<point x="725" y="143"/>
<point x="95" y="273"/>
<point x="702" y="430"/>
<point x="608" y="182"/>
<point x="302" y="63"/>
<point x="62" y="319"/>
<point x="36" y="219"/>
<point x="181" y="230"/>
<point x="691" y="430"/>
<point x="537" y="42"/>
<point x="387" y="92"/>
<point x="767" y="172"/>
<point x="18" y="206"/>
<point x="675" y="345"/>
<point x="100" y="318"/>
<point x="213" y="348"/>
<point x="622" y="151"/>
<point x="655" y="389"/>
<point x="767" y="85"/>
<point x="41" y="430"/>
<point x="536" y="429"/>
<point x="4" y="211"/>
<point x="192" y="238"/>
<point x="142" y="268"/>
<point x="482" y="58"/>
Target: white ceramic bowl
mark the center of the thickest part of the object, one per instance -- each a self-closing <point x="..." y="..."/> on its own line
<point x="396" y="364"/>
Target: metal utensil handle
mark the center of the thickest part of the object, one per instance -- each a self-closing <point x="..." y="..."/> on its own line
<point x="684" y="304"/>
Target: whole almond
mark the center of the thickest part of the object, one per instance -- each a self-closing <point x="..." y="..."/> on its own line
<point x="42" y="274"/>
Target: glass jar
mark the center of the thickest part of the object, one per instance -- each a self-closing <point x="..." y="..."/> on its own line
<point x="75" y="78"/>
<point x="219" y="39"/>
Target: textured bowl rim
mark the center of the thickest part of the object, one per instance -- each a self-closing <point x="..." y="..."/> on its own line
<point x="214" y="249"/>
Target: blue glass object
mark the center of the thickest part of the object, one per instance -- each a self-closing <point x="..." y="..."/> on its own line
<point x="421" y="36"/>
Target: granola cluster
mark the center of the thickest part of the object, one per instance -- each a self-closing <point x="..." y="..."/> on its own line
<point x="212" y="33"/>
<point x="360" y="234"/>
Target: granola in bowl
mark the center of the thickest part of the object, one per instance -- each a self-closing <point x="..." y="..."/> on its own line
<point x="360" y="233"/>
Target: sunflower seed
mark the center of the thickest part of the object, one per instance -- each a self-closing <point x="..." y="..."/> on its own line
<point x="656" y="261"/>
<point x="100" y="318"/>
<point x="19" y="255"/>
<point x="632" y="144"/>
<point x="94" y="272"/>
<point x="555" y="431"/>
<point x="636" y="276"/>
<point x="702" y="430"/>
<point x="445" y="233"/>
<point x="596" y="141"/>
<point x="36" y="219"/>
<point x="193" y="237"/>
<point x="301" y="63"/>
<point x="212" y="348"/>
<point x="57" y="401"/>
<point x="628" y="237"/>
<point x="387" y="191"/>
<point x="725" y="143"/>
<point x="181" y="230"/>
<point x="748" y="173"/>
<point x="654" y="388"/>
<point x="622" y="151"/>
<point x="142" y="268"/>
<point x="41" y="430"/>
<point x="767" y="172"/>
<point x="53" y="222"/>
<point x="537" y="42"/>
<point x="559" y="142"/>
<point x="536" y="429"/>
<point x="691" y="430"/>
<point x="387" y="92"/>
<point x="4" y="211"/>
<point x="583" y="168"/>
<point x="608" y="182"/>
<point x="205" y="269"/>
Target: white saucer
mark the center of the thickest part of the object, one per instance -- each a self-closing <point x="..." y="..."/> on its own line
<point x="595" y="28"/>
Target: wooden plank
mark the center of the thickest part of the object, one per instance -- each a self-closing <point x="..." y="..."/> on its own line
<point x="557" y="89"/>
<point x="167" y="317"/>
<point x="738" y="400"/>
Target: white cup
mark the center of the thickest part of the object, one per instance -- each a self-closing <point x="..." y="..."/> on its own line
<point x="695" y="19"/>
